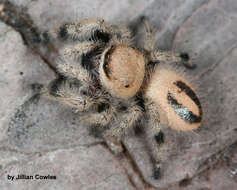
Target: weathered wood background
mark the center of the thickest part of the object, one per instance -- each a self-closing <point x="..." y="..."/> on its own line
<point x="39" y="136"/>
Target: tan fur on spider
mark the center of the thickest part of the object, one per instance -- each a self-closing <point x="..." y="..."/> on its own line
<point x="122" y="70"/>
<point x="175" y="98"/>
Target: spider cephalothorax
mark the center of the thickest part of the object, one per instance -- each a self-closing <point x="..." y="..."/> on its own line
<point x="122" y="70"/>
<point x="113" y="84"/>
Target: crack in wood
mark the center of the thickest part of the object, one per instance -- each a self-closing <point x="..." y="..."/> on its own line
<point x="125" y="159"/>
<point x="135" y="167"/>
<point x="121" y="160"/>
<point x="20" y="21"/>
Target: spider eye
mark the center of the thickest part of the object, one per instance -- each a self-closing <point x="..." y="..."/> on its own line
<point x="84" y="92"/>
<point x="102" y="36"/>
<point x="184" y="56"/>
<point x="127" y="86"/>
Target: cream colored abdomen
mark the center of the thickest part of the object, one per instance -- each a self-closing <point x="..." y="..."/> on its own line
<point x="175" y="99"/>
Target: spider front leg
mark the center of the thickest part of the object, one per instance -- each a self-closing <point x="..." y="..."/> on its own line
<point x="155" y="138"/>
<point x="89" y="30"/>
<point x="121" y="34"/>
<point x="83" y="30"/>
<point x="71" y="59"/>
<point x="70" y="93"/>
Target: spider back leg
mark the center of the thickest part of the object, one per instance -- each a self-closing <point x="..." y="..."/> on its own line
<point x="127" y="120"/>
<point x="101" y="116"/>
<point x="159" y="55"/>
<point x="155" y="138"/>
<point x="172" y="57"/>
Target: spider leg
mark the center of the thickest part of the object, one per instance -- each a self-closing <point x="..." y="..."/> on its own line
<point x="83" y="30"/>
<point x="101" y="117"/>
<point x="127" y="121"/>
<point x="89" y="30"/>
<point x="159" y="55"/>
<point x="172" y="57"/>
<point x="150" y="41"/>
<point x="121" y="35"/>
<point x="69" y="93"/>
<point x="155" y="138"/>
<point x="71" y="59"/>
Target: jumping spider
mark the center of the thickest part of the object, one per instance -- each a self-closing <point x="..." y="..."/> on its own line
<point x="113" y="84"/>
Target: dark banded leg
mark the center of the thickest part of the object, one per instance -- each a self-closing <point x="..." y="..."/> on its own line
<point x="96" y="30"/>
<point x="121" y="34"/>
<point x="162" y="56"/>
<point x="70" y="62"/>
<point x="83" y="30"/>
<point x="127" y="120"/>
<point x="69" y="93"/>
<point x="101" y="117"/>
<point x="172" y="57"/>
<point x="155" y="138"/>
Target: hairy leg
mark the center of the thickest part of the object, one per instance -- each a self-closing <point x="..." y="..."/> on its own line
<point x="149" y="41"/>
<point x="102" y="116"/>
<point x="83" y="30"/>
<point x="159" y="55"/>
<point x="69" y="93"/>
<point x="70" y="61"/>
<point x="172" y="57"/>
<point x="121" y="34"/>
<point x="97" y="122"/>
<point x="124" y="122"/>
<point x="155" y="137"/>
<point x="89" y="30"/>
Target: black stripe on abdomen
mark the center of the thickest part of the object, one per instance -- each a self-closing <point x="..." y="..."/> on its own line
<point x="180" y="109"/>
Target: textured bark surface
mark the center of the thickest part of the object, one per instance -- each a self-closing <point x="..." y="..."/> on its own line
<point x="39" y="136"/>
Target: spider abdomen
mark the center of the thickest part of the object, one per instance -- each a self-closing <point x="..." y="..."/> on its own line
<point x="175" y="98"/>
